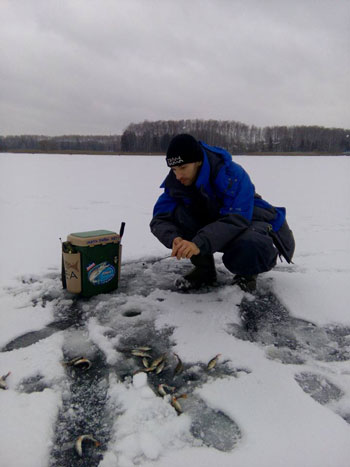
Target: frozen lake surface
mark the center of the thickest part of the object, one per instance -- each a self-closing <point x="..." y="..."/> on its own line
<point x="279" y="394"/>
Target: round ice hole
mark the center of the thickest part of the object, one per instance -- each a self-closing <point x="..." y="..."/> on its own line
<point x="131" y="313"/>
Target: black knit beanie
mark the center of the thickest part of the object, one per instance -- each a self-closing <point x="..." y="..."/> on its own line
<point x="183" y="149"/>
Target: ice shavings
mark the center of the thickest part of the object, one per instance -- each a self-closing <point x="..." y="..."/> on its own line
<point x="107" y="345"/>
<point x="146" y="425"/>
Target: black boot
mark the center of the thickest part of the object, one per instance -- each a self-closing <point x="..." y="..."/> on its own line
<point x="246" y="283"/>
<point x="204" y="273"/>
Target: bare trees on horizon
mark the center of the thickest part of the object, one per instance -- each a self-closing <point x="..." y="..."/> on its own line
<point x="154" y="137"/>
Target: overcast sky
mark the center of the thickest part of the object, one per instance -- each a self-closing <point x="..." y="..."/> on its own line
<point x="94" y="66"/>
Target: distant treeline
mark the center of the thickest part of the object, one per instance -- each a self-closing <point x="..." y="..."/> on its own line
<point x="236" y="137"/>
<point x="154" y="137"/>
<point x="64" y="143"/>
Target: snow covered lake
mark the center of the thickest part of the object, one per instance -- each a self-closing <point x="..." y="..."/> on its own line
<point x="277" y="397"/>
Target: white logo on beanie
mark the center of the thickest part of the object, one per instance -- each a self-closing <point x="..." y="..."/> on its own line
<point x="177" y="160"/>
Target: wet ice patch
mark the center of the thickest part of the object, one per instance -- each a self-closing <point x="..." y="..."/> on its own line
<point x="291" y="340"/>
<point x="318" y="387"/>
<point x="162" y="273"/>
<point x="213" y="427"/>
<point x="285" y="355"/>
<point x="83" y="412"/>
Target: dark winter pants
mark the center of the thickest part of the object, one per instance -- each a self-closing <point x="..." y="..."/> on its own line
<point x="252" y="251"/>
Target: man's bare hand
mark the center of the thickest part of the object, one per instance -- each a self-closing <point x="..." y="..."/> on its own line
<point x="176" y="243"/>
<point x="184" y="249"/>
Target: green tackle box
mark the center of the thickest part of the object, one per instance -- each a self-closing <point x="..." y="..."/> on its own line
<point x="91" y="262"/>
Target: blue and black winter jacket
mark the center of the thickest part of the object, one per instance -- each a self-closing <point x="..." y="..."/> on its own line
<point x="223" y="202"/>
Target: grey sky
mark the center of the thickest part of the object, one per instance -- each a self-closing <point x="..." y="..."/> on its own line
<point x="93" y="66"/>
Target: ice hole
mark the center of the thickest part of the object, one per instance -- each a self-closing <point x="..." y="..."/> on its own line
<point x="131" y="313"/>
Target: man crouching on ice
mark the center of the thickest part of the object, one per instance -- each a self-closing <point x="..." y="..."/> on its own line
<point x="209" y="204"/>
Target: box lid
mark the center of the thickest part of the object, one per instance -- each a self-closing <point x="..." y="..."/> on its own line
<point x="93" y="237"/>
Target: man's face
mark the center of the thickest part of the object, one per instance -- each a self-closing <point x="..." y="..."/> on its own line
<point x="187" y="173"/>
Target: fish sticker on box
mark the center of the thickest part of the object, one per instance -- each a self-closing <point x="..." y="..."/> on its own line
<point x="101" y="273"/>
